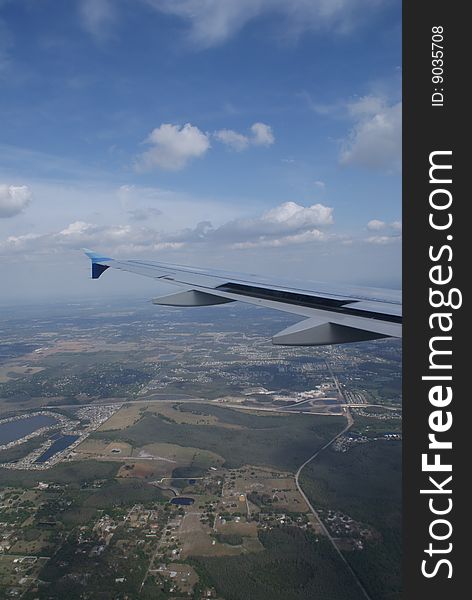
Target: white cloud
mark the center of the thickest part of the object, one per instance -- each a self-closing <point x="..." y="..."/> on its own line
<point x="76" y="229"/>
<point x="286" y="224"/>
<point x="384" y="233"/>
<point x="376" y="225"/>
<point x="294" y="216"/>
<point x="97" y="16"/>
<point x="236" y="141"/>
<point x="172" y="147"/>
<point x="396" y="225"/>
<point x="13" y="199"/>
<point x="375" y="140"/>
<point x="313" y="235"/>
<point x="383" y="239"/>
<point x="212" y="22"/>
<point x="120" y="239"/>
<point x="261" y="135"/>
<point x="285" y="219"/>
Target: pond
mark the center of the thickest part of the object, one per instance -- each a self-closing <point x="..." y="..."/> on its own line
<point x="12" y="431"/>
<point x="181" y="500"/>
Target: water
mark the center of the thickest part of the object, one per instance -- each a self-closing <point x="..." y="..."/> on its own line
<point x="61" y="444"/>
<point x="15" y="430"/>
<point x="182" y="500"/>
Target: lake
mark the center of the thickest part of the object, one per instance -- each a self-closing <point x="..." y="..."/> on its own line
<point x="61" y="444"/>
<point x="15" y="430"/>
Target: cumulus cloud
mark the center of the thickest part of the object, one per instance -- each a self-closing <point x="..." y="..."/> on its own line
<point x="214" y="21"/>
<point x="286" y="224"/>
<point x="172" y="147"/>
<point x="385" y="233"/>
<point x="376" y="225"/>
<point x="78" y="234"/>
<point x="375" y="139"/>
<point x="236" y="141"/>
<point x="261" y="135"/>
<point x="295" y="216"/>
<point x="13" y="199"/>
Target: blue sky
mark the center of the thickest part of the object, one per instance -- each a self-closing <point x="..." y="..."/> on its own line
<point x="256" y="135"/>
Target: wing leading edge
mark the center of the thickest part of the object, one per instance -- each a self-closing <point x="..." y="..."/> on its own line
<point x="332" y="315"/>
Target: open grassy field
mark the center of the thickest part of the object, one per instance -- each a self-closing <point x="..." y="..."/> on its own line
<point x="197" y="541"/>
<point x="283" y="441"/>
<point x="153" y="461"/>
<point x="93" y="448"/>
<point x="174" y="413"/>
<point x="278" y="489"/>
<point x="125" y="417"/>
<point x="180" y="456"/>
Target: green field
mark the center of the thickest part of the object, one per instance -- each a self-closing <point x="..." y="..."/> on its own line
<point x="279" y="441"/>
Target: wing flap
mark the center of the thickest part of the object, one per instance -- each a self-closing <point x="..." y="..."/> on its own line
<point x="191" y="298"/>
<point x="316" y="332"/>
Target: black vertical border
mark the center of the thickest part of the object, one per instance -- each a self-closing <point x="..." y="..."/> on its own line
<point x="427" y="129"/>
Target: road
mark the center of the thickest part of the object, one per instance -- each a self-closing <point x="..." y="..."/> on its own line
<point x="349" y="424"/>
<point x="286" y="408"/>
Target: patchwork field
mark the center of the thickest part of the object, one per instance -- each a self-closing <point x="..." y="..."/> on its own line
<point x="128" y="415"/>
<point x="175" y="415"/>
<point x="93" y="448"/>
<point x="263" y="487"/>
<point x="197" y="539"/>
<point x="250" y="442"/>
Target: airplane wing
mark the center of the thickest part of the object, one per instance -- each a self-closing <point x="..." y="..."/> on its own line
<point x="332" y="315"/>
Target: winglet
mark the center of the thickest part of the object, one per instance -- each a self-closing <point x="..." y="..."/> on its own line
<point x="97" y="267"/>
